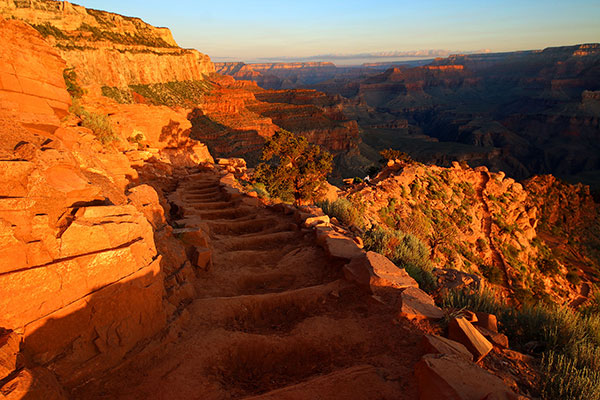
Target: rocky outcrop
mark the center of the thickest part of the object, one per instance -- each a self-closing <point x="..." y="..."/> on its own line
<point x="109" y="49"/>
<point x="480" y="223"/>
<point x="32" y="88"/>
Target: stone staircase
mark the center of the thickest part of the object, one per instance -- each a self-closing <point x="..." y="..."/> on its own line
<point x="272" y="318"/>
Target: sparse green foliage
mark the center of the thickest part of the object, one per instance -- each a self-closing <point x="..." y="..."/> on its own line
<point x="569" y="341"/>
<point x="293" y="169"/>
<point x="492" y="273"/>
<point x="260" y="189"/>
<point x="344" y="211"/>
<point x="97" y="123"/>
<point x="49" y="30"/>
<point x="97" y="34"/>
<point x="70" y="77"/>
<point x="172" y="94"/>
<point x="404" y="249"/>
<point x="121" y="96"/>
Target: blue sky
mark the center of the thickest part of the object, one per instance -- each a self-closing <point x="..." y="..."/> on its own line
<point x="279" y="30"/>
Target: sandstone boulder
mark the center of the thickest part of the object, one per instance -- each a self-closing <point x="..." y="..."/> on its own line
<point x="434" y="344"/>
<point x="315" y="220"/>
<point x="450" y="377"/>
<point x="462" y="331"/>
<point x="203" y="258"/>
<point x="373" y="270"/>
<point x="416" y="304"/>
<point x="340" y="246"/>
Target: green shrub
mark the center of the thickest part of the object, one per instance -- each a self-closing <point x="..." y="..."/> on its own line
<point x="344" y="211"/>
<point x="573" y="277"/>
<point x="292" y="168"/>
<point x="482" y="244"/>
<point x="492" y="273"/>
<point x="70" y="77"/>
<point x="97" y="123"/>
<point x="260" y="189"/>
<point x="405" y="250"/>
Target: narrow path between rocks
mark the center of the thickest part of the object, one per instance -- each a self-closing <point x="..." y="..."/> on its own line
<point x="273" y="318"/>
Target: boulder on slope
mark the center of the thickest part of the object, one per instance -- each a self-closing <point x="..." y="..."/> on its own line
<point x="462" y="331"/>
<point x="373" y="270"/>
<point x="416" y="304"/>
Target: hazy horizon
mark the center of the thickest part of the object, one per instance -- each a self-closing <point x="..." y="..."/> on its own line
<point x="271" y="31"/>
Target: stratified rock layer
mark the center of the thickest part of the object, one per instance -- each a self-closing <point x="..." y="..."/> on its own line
<point x="32" y="88"/>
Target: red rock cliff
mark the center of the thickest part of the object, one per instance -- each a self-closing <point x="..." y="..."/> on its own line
<point x="110" y="49"/>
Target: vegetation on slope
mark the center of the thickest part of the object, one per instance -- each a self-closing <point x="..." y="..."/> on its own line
<point x="99" y="124"/>
<point x="568" y="342"/>
<point x="171" y="94"/>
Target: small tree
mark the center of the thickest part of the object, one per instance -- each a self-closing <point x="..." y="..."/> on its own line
<point x="291" y="168"/>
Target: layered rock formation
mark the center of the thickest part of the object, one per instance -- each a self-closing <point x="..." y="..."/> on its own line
<point x="235" y="119"/>
<point x="280" y="75"/>
<point x="91" y="40"/>
<point x="88" y="263"/>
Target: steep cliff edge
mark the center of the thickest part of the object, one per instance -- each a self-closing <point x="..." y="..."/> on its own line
<point x="110" y="49"/>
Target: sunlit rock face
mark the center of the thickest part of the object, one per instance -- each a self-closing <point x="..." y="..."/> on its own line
<point x="110" y="49"/>
<point x="32" y="88"/>
<point x="73" y="251"/>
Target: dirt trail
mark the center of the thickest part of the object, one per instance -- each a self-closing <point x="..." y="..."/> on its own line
<point x="487" y="229"/>
<point x="273" y="318"/>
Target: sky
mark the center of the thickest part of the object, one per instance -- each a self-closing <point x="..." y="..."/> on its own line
<point x="352" y="31"/>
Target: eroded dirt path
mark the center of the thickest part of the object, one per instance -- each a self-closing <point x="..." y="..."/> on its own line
<point x="273" y="318"/>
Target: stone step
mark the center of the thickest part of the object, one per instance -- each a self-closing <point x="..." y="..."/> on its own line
<point x="266" y="312"/>
<point x="226" y="213"/>
<point x="212" y="205"/>
<point x="360" y="382"/>
<point x="258" y="241"/>
<point x="240" y="226"/>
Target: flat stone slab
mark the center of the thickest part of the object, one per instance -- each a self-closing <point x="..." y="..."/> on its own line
<point x="462" y="331"/>
<point x="434" y="344"/>
<point x="340" y="246"/>
<point x="416" y="304"/>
